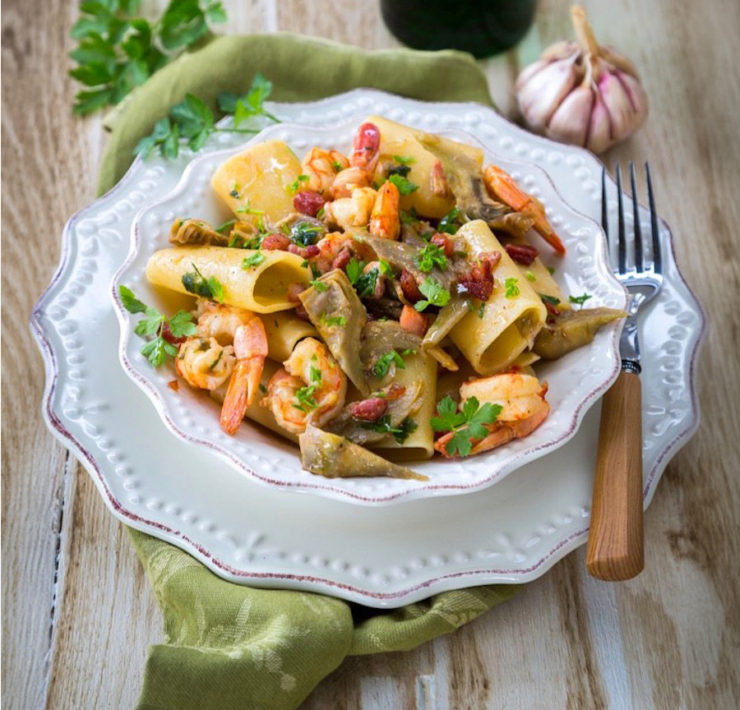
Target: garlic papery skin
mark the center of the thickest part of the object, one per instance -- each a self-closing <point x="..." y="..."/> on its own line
<point x="581" y="93"/>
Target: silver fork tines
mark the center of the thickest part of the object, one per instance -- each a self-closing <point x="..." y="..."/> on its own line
<point x="645" y="278"/>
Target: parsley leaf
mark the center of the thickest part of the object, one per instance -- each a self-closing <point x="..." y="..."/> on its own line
<point x="468" y="424"/>
<point x="354" y="270"/>
<point x="332" y="320"/>
<point x="530" y="275"/>
<point x="153" y="323"/>
<point x="225" y="227"/>
<point x="253" y="260"/>
<point x="384" y="426"/>
<point x="194" y="282"/>
<point x="117" y="51"/>
<point x="511" y="287"/>
<point x="366" y="282"/>
<point x="404" y="185"/>
<point x="193" y="120"/>
<point x="404" y="159"/>
<point x="130" y="302"/>
<point x="306" y="233"/>
<point x="383" y="363"/>
<point x="385" y="268"/>
<point x="320" y="286"/>
<point x="409" y="216"/>
<point x="549" y="299"/>
<point x="580" y="300"/>
<point x="430" y="256"/>
<point x="450" y="222"/>
<point x="436" y="294"/>
<point x="296" y="184"/>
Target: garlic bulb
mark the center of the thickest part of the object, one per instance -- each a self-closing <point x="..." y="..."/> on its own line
<point x="582" y="93"/>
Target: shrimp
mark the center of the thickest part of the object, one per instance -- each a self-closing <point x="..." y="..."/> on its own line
<point x="322" y="167"/>
<point x="366" y="147"/>
<point x="385" y="221"/>
<point x="502" y="186"/>
<point x="347" y="180"/>
<point x="230" y="343"/>
<point x="354" y="211"/>
<point x="524" y="408"/>
<point x="309" y="388"/>
<point x="204" y="363"/>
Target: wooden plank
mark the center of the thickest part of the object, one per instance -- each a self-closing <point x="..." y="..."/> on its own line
<point x="670" y="638"/>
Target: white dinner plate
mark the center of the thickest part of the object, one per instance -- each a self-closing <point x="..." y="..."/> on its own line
<point x="575" y="381"/>
<point x="511" y="532"/>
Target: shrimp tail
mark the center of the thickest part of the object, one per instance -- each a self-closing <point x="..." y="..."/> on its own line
<point x="250" y="347"/>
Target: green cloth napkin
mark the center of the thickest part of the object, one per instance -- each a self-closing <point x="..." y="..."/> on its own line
<point x="228" y="646"/>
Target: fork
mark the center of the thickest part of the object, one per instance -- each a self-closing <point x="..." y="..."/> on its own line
<point x="615" y="541"/>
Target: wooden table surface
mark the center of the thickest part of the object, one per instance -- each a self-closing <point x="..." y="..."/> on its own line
<point x="78" y="614"/>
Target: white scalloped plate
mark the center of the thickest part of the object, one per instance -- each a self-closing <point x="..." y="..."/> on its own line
<point x="575" y="381"/>
<point x="380" y="556"/>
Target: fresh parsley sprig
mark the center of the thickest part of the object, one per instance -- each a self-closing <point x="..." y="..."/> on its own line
<point x="468" y="424"/>
<point x="159" y="348"/>
<point x="450" y="223"/>
<point x="117" y="51"/>
<point x="383" y="364"/>
<point x="404" y="185"/>
<point x="384" y="426"/>
<point x="193" y="121"/>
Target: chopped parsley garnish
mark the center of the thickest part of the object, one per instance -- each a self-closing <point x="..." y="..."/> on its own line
<point x="262" y="388"/>
<point x="450" y="222"/>
<point x="511" y="287"/>
<point x="195" y="282"/>
<point x="384" y="426"/>
<point x="248" y="209"/>
<point x="402" y="170"/>
<point x="430" y="256"/>
<point x="320" y="286"/>
<point x="332" y="320"/>
<point x="235" y="194"/>
<point x="551" y="269"/>
<point x="385" y="268"/>
<point x="436" y="295"/>
<point x="549" y="299"/>
<point x="468" y="424"/>
<point x="383" y="363"/>
<point x="354" y="270"/>
<point x="296" y="184"/>
<point x="253" y="260"/>
<point x="153" y="323"/>
<point x="404" y="185"/>
<point x="306" y="233"/>
<point x="404" y="159"/>
<point x="366" y="283"/>
<point x="580" y="300"/>
<point x="481" y="309"/>
<point x="305" y="395"/>
<point x="337" y="166"/>
<point x="409" y="216"/>
<point x="225" y="228"/>
<point x="530" y="275"/>
<point x="239" y="242"/>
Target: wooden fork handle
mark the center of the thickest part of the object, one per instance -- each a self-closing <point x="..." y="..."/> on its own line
<point x="615" y="539"/>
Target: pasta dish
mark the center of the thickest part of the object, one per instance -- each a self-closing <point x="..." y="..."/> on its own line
<point x="377" y="308"/>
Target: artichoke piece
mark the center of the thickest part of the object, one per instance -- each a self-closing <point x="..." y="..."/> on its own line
<point x="572" y="329"/>
<point x="338" y="314"/>
<point x="471" y="197"/>
<point x="333" y="456"/>
<point x="447" y="318"/>
<point x="195" y="231"/>
<point x="380" y="337"/>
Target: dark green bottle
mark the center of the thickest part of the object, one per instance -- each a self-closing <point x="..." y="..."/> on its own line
<point x="481" y="27"/>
